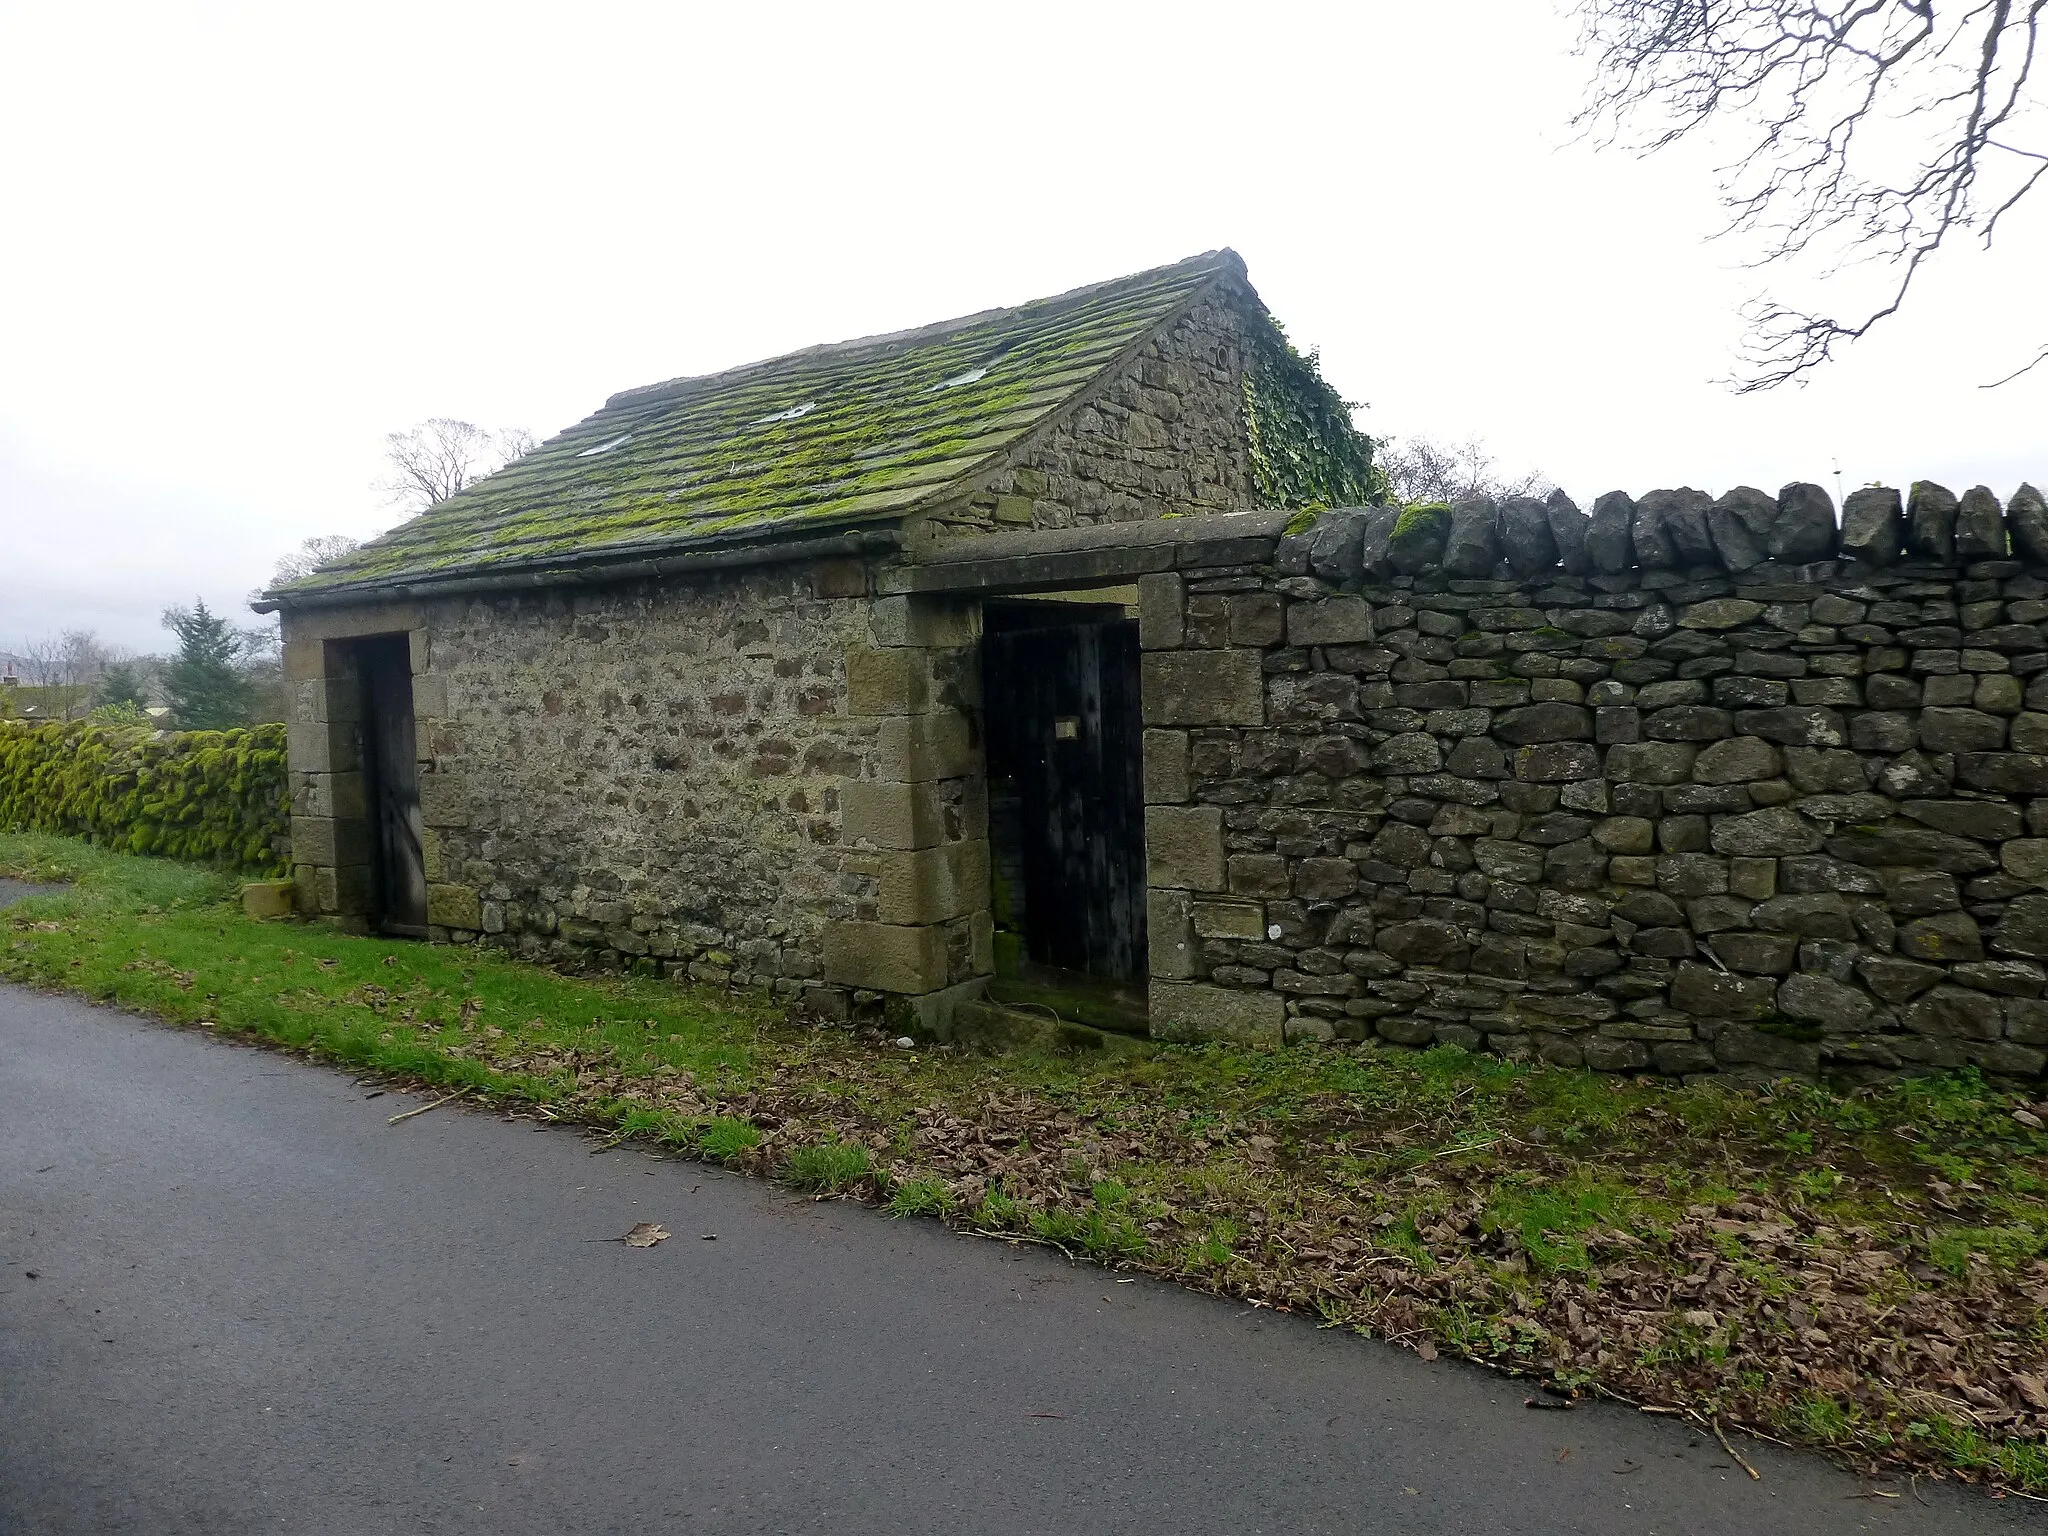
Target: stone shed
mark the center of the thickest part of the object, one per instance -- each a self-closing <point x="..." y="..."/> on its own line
<point x="990" y="661"/>
<point x="661" y="693"/>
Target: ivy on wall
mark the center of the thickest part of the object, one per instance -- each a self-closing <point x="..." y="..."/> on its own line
<point x="1304" y="450"/>
<point x="211" y="797"/>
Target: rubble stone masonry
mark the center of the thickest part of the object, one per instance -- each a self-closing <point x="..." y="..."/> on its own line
<point x="1684" y="786"/>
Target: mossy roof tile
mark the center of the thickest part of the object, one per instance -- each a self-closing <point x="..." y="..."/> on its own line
<point x="855" y="432"/>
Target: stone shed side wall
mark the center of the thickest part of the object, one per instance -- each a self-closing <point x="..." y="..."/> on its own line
<point x="710" y="778"/>
<point x="1677" y="820"/>
<point x="1166" y="435"/>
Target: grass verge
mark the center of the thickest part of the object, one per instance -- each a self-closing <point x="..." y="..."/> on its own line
<point x="1864" y="1274"/>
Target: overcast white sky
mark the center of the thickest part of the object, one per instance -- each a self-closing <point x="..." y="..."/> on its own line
<point x="239" y="244"/>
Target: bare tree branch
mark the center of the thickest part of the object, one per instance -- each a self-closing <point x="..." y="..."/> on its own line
<point x="434" y="460"/>
<point x="1421" y="469"/>
<point x="1874" y="131"/>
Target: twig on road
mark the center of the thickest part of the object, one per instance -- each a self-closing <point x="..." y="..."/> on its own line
<point x="445" y="1098"/>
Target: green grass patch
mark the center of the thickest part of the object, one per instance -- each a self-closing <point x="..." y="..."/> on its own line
<point x="831" y="1167"/>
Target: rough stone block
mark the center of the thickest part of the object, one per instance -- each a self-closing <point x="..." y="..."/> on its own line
<point x="266" y="899"/>
<point x="931" y="885"/>
<point x="887" y="681"/>
<point x="1203" y="687"/>
<point x="1171" y="950"/>
<point x="1166" y="767"/>
<point x="444" y="801"/>
<point x="938" y="745"/>
<point x="1228" y="919"/>
<point x="919" y="620"/>
<point x="1162" y="622"/>
<point x="1193" y="1011"/>
<point x="886" y="815"/>
<point x="314" y="841"/>
<point x="1651" y="762"/>
<point x="1184" y="847"/>
<point x="454" y="906"/>
<point x="885" y="957"/>
<point x="430" y="696"/>
<point x="1330" y="621"/>
<point x="321" y="747"/>
<point x="330" y="794"/>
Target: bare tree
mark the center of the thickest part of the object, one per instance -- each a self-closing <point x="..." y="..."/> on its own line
<point x="1871" y="132"/>
<point x="432" y="461"/>
<point x="1422" y="469"/>
<point x="310" y="556"/>
<point x="74" y="659"/>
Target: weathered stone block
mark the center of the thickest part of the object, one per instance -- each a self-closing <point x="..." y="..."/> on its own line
<point x="1257" y="874"/>
<point x="892" y="815"/>
<point x="314" y="841"/>
<point x="430" y="697"/>
<point x="268" y="899"/>
<point x="938" y="745"/>
<point x="1228" y="919"/>
<point x="321" y="747"/>
<point x="1184" y="847"/>
<point x="1162" y="621"/>
<point x="1716" y="994"/>
<point x="1166" y="767"/>
<point x="1769" y="833"/>
<point x="1170" y="949"/>
<point x="1947" y="938"/>
<point x="1535" y="723"/>
<point x="1183" y="1010"/>
<point x="1754" y="878"/>
<point x="1330" y="621"/>
<point x="1557" y="762"/>
<point x="931" y="885"/>
<point x="922" y="620"/>
<point x="1651" y="762"/>
<point x="1203" y="687"/>
<point x="885" y="957"/>
<point x="444" y="800"/>
<point x="454" y="906"/>
<point x="887" y="681"/>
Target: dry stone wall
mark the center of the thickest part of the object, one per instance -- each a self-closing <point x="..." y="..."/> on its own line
<point x="1686" y="785"/>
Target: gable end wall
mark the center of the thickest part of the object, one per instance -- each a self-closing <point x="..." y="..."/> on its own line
<point x="1165" y="435"/>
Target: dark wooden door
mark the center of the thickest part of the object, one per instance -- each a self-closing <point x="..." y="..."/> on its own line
<point x="391" y="766"/>
<point x="1064" y="726"/>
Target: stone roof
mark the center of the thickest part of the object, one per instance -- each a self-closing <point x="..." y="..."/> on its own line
<point x="835" y="436"/>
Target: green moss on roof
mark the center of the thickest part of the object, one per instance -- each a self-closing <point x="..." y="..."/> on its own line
<point x="858" y="432"/>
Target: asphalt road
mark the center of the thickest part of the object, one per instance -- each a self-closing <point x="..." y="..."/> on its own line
<point x="233" y="1298"/>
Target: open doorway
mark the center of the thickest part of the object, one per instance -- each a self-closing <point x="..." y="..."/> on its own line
<point x="1066" y="808"/>
<point x="391" y="785"/>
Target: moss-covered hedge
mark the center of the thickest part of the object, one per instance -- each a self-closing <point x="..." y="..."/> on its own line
<point x="211" y="797"/>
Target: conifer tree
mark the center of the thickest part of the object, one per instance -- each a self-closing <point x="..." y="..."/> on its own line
<point x="204" y="688"/>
